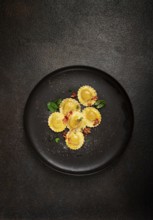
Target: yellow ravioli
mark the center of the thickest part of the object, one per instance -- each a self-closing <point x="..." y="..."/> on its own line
<point x="76" y="121"/>
<point x="87" y="95"/>
<point x="55" y="122"/>
<point x="74" y="140"/>
<point x="69" y="105"/>
<point x="92" y="116"/>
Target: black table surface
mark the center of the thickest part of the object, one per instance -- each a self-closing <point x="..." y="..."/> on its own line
<point x="37" y="37"/>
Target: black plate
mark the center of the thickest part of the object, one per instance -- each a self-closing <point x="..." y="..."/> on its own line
<point x="105" y="142"/>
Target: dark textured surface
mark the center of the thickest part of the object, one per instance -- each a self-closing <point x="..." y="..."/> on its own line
<point x="37" y="37"/>
<point x="105" y="142"/>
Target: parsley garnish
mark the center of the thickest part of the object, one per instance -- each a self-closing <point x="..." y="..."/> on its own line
<point x="100" y="104"/>
<point x="77" y="107"/>
<point x="58" y="102"/>
<point x="80" y="119"/>
<point x="53" y="106"/>
<point x="57" y="140"/>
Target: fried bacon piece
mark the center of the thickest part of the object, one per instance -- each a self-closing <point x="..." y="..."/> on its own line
<point x="74" y="95"/>
<point x="89" y="104"/>
<point x="64" y="134"/>
<point x="86" y="131"/>
<point x="95" y="98"/>
<point x="66" y="118"/>
<point x="96" y="122"/>
<point x="69" y="114"/>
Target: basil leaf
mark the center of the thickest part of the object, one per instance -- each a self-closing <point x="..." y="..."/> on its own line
<point x="97" y="102"/>
<point x="51" y="109"/>
<point x="58" y="102"/>
<point x="52" y="106"/>
<point x="57" y="140"/>
<point x="80" y="119"/>
<point x="101" y="105"/>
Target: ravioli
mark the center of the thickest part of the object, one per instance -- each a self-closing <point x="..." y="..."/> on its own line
<point x="73" y="115"/>
<point x="69" y="105"/>
<point x="92" y="116"/>
<point x="76" y="121"/>
<point x="87" y="95"/>
<point x="56" y="122"/>
<point x="74" y="140"/>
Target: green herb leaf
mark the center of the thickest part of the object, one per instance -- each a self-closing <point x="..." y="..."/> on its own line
<point x="80" y="119"/>
<point x="52" y="110"/>
<point x="100" y="104"/>
<point x="70" y="90"/>
<point x="97" y="102"/>
<point x="77" y="107"/>
<point x="52" y="106"/>
<point x="58" y="102"/>
<point x="57" y="140"/>
<point x="87" y="140"/>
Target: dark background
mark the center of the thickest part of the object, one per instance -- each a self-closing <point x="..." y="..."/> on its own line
<point x="37" y="37"/>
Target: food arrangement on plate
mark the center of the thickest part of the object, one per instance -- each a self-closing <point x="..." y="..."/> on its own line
<point x="69" y="114"/>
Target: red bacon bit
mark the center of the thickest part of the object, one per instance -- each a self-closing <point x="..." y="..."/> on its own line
<point x="64" y="134"/>
<point x="96" y="122"/>
<point x="95" y="98"/>
<point x="66" y="118"/>
<point x="69" y="114"/>
<point x="74" y="95"/>
<point x="87" y="131"/>
<point x="89" y="104"/>
<point x="69" y="139"/>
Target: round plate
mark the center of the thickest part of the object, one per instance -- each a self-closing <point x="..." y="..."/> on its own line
<point x="104" y="143"/>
